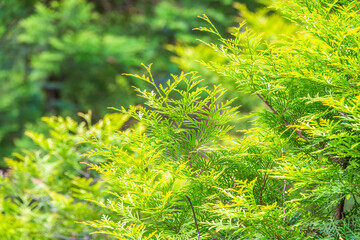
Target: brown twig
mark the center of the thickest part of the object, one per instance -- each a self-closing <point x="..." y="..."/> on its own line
<point x="340" y="213"/>
<point x="196" y="224"/>
<point x="340" y="207"/>
<point x="284" y="199"/>
<point x="262" y="189"/>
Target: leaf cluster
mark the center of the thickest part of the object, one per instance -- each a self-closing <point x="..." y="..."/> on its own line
<point x="43" y="193"/>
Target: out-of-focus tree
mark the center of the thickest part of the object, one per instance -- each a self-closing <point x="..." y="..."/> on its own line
<point x="42" y="196"/>
<point x="62" y="57"/>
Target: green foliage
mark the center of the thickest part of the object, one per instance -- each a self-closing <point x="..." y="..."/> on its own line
<point x="64" y="39"/>
<point x="269" y="24"/>
<point x="50" y="57"/>
<point x="308" y="81"/>
<point x="177" y="156"/>
<point x="42" y="195"/>
<point x="62" y="57"/>
<point x="188" y="59"/>
<point x="293" y="177"/>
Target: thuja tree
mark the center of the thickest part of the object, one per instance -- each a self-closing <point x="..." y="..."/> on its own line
<point x="296" y="176"/>
<point x="162" y="176"/>
<point x="309" y="84"/>
<point x="178" y="179"/>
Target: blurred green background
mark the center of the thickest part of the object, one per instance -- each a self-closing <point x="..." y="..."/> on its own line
<point x="67" y="56"/>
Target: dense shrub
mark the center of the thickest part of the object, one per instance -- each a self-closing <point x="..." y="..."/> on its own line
<point x="293" y="176"/>
<point x="43" y="194"/>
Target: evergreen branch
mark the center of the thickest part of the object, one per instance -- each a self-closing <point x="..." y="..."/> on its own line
<point x="190" y="164"/>
<point x="340" y="211"/>
<point x="298" y="131"/>
<point x="196" y="224"/>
